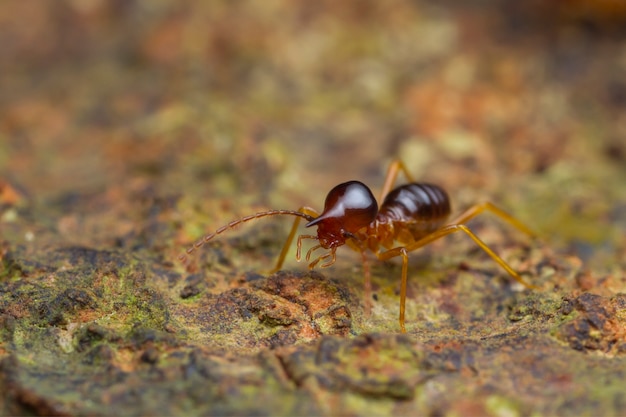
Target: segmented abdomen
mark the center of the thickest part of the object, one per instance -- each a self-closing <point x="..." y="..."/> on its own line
<point x="425" y="204"/>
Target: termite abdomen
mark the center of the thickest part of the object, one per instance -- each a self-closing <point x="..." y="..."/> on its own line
<point x="415" y="202"/>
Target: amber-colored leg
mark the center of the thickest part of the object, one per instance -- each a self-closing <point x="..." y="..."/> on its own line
<point x="391" y="177"/>
<point x="294" y="229"/>
<point x="367" y="281"/>
<point x="487" y="206"/>
<point x="367" y="284"/>
<point x="403" y="283"/>
<point x="444" y="231"/>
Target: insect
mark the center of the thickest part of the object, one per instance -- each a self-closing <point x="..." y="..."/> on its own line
<point x="411" y="216"/>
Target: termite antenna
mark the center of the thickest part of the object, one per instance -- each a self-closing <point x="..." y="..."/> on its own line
<point x="183" y="257"/>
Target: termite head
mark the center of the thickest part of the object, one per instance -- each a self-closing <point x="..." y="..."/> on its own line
<point x="348" y="207"/>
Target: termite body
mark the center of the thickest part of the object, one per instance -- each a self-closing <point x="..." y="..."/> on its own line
<point x="410" y="216"/>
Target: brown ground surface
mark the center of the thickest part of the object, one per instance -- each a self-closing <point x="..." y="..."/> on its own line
<point x="130" y="129"/>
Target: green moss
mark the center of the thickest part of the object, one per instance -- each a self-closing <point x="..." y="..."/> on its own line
<point x="502" y="407"/>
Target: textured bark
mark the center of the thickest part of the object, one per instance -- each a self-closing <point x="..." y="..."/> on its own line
<point x="131" y="129"/>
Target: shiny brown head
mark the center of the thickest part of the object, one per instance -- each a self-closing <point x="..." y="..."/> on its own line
<point x="349" y="207"/>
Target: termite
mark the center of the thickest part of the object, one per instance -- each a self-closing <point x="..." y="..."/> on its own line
<point x="411" y="216"/>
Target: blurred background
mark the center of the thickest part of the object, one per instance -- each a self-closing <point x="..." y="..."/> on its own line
<point x="226" y="107"/>
<point x="129" y="129"/>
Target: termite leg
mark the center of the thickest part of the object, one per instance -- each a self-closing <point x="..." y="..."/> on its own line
<point x="367" y="281"/>
<point x="392" y="253"/>
<point x="294" y="229"/>
<point x="367" y="285"/>
<point x="403" y="285"/>
<point x="487" y="206"/>
<point x="437" y="234"/>
<point x="392" y="175"/>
